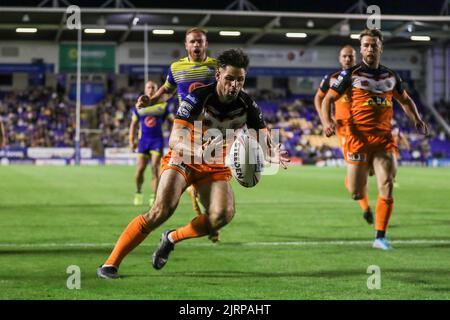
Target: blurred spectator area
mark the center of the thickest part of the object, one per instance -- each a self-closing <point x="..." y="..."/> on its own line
<point x="40" y="117"/>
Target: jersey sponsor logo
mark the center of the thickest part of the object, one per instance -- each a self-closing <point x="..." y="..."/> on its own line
<point x="378" y="101"/>
<point x="185" y="109"/>
<point x="345" y="98"/>
<point x="150" y="121"/>
<point x="356" y="157"/>
<point x="194" y="86"/>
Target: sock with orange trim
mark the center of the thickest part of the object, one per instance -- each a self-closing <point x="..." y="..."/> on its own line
<point x="364" y="203"/>
<point x="198" y="227"/>
<point x="131" y="237"/>
<point x="383" y="213"/>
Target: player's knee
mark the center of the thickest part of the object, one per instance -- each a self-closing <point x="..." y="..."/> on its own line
<point x="356" y="195"/>
<point x="159" y="212"/>
<point x="140" y="170"/>
<point x="386" y="186"/>
<point x="220" y="218"/>
<point x="155" y="170"/>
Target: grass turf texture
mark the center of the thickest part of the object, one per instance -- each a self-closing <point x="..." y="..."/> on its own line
<point x="284" y="242"/>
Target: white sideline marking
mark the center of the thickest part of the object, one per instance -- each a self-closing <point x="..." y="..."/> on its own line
<point x="206" y="244"/>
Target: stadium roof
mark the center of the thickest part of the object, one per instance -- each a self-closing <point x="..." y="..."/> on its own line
<point x="265" y="22"/>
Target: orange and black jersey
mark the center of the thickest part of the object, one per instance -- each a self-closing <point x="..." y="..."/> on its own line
<point x="203" y="104"/>
<point x="371" y="92"/>
<point x="342" y="105"/>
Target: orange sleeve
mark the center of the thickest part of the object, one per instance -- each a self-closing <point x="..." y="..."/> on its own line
<point x="320" y="93"/>
<point x="334" y="93"/>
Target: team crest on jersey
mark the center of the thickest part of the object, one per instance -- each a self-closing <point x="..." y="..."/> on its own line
<point x="150" y="121"/>
<point x="185" y="109"/>
<point x="356" y="157"/>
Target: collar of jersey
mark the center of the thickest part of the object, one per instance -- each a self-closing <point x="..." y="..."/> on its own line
<point x="189" y="60"/>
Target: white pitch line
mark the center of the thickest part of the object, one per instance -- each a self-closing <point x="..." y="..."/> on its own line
<point x="252" y="244"/>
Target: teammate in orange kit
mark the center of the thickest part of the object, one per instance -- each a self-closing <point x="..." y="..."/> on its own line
<point x="347" y="59"/>
<point x="369" y="140"/>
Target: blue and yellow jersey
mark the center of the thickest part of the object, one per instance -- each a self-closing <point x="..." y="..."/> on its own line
<point x="185" y="75"/>
<point x="151" y="120"/>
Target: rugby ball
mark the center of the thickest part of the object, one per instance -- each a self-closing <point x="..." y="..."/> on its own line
<point x="246" y="160"/>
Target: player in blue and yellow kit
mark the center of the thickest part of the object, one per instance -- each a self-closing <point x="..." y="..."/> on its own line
<point x="150" y="144"/>
<point x="187" y="74"/>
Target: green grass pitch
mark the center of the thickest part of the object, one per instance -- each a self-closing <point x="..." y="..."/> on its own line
<point x="296" y="235"/>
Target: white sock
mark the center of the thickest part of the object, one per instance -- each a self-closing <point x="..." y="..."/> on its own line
<point x="169" y="236"/>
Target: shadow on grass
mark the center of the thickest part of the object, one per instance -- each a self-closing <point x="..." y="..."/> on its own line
<point x="55" y="251"/>
<point x="403" y="274"/>
<point x="66" y="205"/>
<point x="293" y="237"/>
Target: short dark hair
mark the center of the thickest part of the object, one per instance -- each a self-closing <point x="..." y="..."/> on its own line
<point x="371" y="33"/>
<point x="233" y="57"/>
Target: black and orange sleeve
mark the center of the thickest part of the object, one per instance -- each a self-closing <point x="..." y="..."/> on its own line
<point x="189" y="109"/>
<point x="341" y="84"/>
<point x="324" y="86"/>
<point x="399" y="92"/>
<point x="255" y="118"/>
